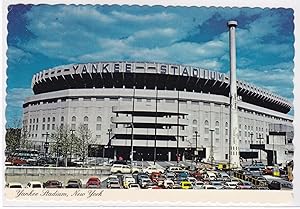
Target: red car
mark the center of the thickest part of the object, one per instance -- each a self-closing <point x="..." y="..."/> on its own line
<point x="93" y="182"/>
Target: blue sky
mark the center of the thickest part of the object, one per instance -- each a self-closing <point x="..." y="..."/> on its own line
<point x="44" y="36"/>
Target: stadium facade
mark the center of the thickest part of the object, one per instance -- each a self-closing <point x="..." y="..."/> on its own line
<point x="175" y="108"/>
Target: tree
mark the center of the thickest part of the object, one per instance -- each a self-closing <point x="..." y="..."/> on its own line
<point x="82" y="140"/>
<point x="13" y="136"/>
<point x="61" y="141"/>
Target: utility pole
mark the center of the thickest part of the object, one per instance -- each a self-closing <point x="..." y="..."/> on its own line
<point x="211" y="156"/>
<point x="177" y="145"/>
<point x="132" y="135"/>
<point x="155" y="126"/>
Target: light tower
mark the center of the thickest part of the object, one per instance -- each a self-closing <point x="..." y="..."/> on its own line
<point x="234" y="148"/>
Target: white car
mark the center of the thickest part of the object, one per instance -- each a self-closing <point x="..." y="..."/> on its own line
<point x="144" y="181"/>
<point x="14" y="185"/>
<point x="168" y="184"/>
<point x="151" y="169"/>
<point x="174" y="169"/>
<point x="34" y="185"/>
<point x="198" y="185"/>
<point x="127" y="181"/>
<point x="191" y="179"/>
<point x="231" y="184"/>
<point x="119" y="168"/>
<point x="112" y="177"/>
<point x="134" y="186"/>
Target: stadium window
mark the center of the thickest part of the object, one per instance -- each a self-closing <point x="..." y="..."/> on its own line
<point x="43" y="127"/>
<point x="217" y="123"/>
<point x="98" y="127"/>
<point x="73" y="119"/>
<point x="170" y="101"/>
<point x="53" y="119"/>
<point x="30" y="120"/>
<point x="48" y="126"/>
<point x="85" y="126"/>
<point x="36" y="127"/>
<point x="86" y="119"/>
<point x="226" y="140"/>
<point x="29" y="127"/>
<point x="62" y="119"/>
<point x="226" y="156"/>
<point x="53" y="126"/>
<point x="33" y="120"/>
<point x="37" y="120"/>
<point x="99" y="119"/>
<point x="206" y="130"/>
<point x="206" y="122"/>
<point x="48" y="119"/>
<point x="73" y="126"/>
<point x="195" y="122"/>
<point x="245" y="127"/>
<point x="226" y="132"/>
<point x="217" y="131"/>
<point x="226" y="124"/>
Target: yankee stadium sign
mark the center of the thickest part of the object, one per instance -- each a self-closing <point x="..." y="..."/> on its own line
<point x="130" y="67"/>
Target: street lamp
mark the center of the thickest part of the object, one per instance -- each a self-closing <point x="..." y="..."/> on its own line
<point x="46" y="144"/>
<point x="71" y="148"/>
<point x="260" y="138"/>
<point x="103" y="153"/>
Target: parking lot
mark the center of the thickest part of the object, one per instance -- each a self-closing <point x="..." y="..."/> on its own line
<point x="161" y="175"/>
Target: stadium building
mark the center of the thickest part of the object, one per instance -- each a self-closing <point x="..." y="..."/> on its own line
<point x="175" y="108"/>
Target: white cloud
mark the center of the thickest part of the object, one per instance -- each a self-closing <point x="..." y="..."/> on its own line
<point x="16" y="55"/>
<point x="16" y="96"/>
<point x="163" y="16"/>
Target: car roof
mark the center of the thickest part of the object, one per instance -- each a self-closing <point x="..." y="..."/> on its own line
<point x="34" y="182"/>
<point x="14" y="183"/>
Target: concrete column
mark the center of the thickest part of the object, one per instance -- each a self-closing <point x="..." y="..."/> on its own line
<point x="169" y="156"/>
<point x="234" y="155"/>
<point x="115" y="154"/>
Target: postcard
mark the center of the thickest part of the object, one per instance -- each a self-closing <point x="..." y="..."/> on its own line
<point x="113" y="103"/>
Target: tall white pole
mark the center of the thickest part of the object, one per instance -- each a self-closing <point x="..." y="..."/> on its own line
<point x="234" y="141"/>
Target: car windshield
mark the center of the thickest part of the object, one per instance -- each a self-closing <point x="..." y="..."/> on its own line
<point x="134" y="185"/>
<point x="15" y="186"/>
<point x="72" y="182"/>
<point x="186" y="184"/>
<point x="36" y="186"/>
<point x="216" y="183"/>
<point x="199" y="183"/>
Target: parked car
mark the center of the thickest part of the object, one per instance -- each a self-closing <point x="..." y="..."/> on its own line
<point x="217" y="184"/>
<point x="174" y="169"/>
<point x="144" y="182"/>
<point x="168" y="184"/>
<point x="141" y="176"/>
<point x="170" y="175"/>
<point x="154" y="176"/>
<point x="34" y="185"/>
<point x="134" y="186"/>
<point x="14" y="185"/>
<point x="128" y="180"/>
<point x="191" y="179"/>
<point x="186" y="185"/>
<point x="151" y="169"/>
<point x="198" y="185"/>
<point x="112" y="177"/>
<point x="119" y="168"/>
<point x="52" y="184"/>
<point x="74" y="183"/>
<point x="113" y="184"/>
<point x="274" y="185"/>
<point x="93" y="182"/>
<point x="207" y="186"/>
<point x="245" y="185"/>
<point x="231" y="185"/>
